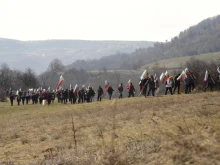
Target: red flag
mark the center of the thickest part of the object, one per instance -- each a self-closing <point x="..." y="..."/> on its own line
<point x="106" y="85"/>
<point x="60" y="82"/>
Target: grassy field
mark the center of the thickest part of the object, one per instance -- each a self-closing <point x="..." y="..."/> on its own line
<point x="176" y="63"/>
<point x="177" y="129"/>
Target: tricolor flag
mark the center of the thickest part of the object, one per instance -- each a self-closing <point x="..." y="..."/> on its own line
<point x="162" y="77"/>
<point x="60" y="82"/>
<point x="38" y="91"/>
<point x="155" y="76"/>
<point x="206" y="75"/>
<point x="187" y="71"/>
<point x="76" y="88"/>
<point x="182" y="76"/>
<point x="128" y="85"/>
<point x="106" y="85"/>
<point x="144" y="75"/>
<point x="48" y="89"/>
<point x="166" y="76"/>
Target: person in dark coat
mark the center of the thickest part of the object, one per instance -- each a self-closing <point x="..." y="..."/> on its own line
<point x="92" y="94"/>
<point x="210" y="83"/>
<point x="41" y="96"/>
<point x="11" y="96"/>
<point x="110" y="91"/>
<point x="131" y="90"/>
<point x="192" y="82"/>
<point x="143" y="86"/>
<point x="53" y="96"/>
<point x="23" y="96"/>
<point x="81" y="95"/>
<point x="19" y="97"/>
<point x="187" y="82"/>
<point x="65" y="96"/>
<point x="28" y="97"/>
<point x="33" y="98"/>
<point x="100" y="93"/>
<point x="151" y="84"/>
<point x="176" y="84"/>
<point x="71" y="95"/>
<point x="120" y="90"/>
<point x="49" y="97"/>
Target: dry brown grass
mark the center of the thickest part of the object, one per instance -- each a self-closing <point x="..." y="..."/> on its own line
<point x="178" y="129"/>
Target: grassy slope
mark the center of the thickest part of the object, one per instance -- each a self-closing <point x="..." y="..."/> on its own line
<point x="175" y="63"/>
<point x="176" y="129"/>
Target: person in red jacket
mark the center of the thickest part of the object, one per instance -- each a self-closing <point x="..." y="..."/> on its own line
<point x="131" y="90"/>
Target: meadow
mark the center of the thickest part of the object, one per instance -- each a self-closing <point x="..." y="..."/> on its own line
<point x="177" y="129"/>
<point x="179" y="62"/>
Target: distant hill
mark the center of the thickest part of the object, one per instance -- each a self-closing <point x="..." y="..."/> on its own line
<point x="38" y="54"/>
<point x="202" y="38"/>
<point x="179" y="62"/>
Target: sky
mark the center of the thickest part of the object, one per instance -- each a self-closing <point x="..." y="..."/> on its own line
<point x="132" y="20"/>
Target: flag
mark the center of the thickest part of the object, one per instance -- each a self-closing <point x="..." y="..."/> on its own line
<point x="187" y="71"/>
<point x="106" y="85"/>
<point x="144" y="75"/>
<point x="76" y="88"/>
<point x="155" y="76"/>
<point x="182" y="76"/>
<point x="38" y="91"/>
<point x="31" y="90"/>
<point x="48" y="89"/>
<point x="218" y="69"/>
<point x="206" y="76"/>
<point x="60" y="82"/>
<point x="128" y="85"/>
<point x="70" y="86"/>
<point x="44" y="102"/>
<point x="162" y="77"/>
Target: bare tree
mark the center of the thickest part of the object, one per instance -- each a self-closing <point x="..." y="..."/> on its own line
<point x="29" y="78"/>
<point x="5" y="76"/>
<point x="55" y="66"/>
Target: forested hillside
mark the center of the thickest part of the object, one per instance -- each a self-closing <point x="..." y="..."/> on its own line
<point x="199" y="39"/>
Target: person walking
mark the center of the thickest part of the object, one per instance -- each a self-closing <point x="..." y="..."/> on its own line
<point x="151" y="85"/>
<point x="168" y="85"/>
<point x="120" y="90"/>
<point x="110" y="91"/>
<point x="131" y="90"/>
<point x="11" y="96"/>
<point x="210" y="83"/>
<point x="176" y="84"/>
<point x="100" y="93"/>
<point x="19" y="97"/>
<point x="157" y="88"/>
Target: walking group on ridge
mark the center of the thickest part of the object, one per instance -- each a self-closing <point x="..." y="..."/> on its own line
<point x="149" y="85"/>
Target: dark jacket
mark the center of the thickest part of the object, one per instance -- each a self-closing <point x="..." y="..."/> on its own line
<point x="177" y="82"/>
<point x="131" y="89"/>
<point x="110" y="90"/>
<point x="100" y="91"/>
<point x="151" y="83"/>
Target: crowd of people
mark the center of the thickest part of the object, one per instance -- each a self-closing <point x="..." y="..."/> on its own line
<point x="148" y="86"/>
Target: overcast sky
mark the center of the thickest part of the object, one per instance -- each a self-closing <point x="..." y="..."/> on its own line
<point x="148" y="20"/>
